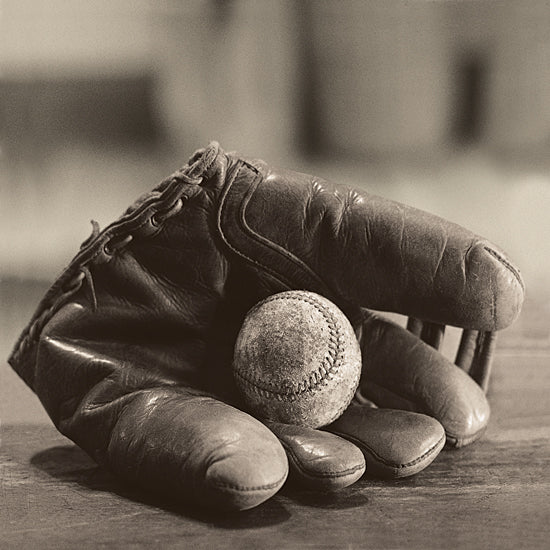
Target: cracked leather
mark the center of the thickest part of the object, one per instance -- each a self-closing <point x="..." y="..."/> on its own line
<point x="130" y="349"/>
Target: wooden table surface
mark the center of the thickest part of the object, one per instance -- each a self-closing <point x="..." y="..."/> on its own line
<point x="492" y="494"/>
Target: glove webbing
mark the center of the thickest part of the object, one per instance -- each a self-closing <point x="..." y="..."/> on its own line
<point x="475" y="351"/>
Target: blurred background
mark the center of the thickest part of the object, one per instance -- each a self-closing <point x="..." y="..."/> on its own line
<point x="444" y="105"/>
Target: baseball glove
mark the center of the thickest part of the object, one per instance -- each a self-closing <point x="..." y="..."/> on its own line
<point x="130" y="349"/>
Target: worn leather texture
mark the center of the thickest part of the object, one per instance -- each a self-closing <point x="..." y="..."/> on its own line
<point x="130" y="349"/>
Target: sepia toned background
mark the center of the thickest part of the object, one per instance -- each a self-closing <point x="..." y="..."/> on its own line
<point x="444" y="105"/>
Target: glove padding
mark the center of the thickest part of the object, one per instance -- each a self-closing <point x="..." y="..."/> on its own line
<point x="130" y="349"/>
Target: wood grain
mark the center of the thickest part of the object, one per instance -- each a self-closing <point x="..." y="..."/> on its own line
<point x="492" y="494"/>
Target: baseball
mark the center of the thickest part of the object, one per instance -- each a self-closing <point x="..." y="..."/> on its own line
<point x="297" y="360"/>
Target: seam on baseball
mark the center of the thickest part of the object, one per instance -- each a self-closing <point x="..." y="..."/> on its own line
<point x="318" y="377"/>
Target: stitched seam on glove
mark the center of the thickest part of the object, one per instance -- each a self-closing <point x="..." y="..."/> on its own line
<point x="459" y="441"/>
<point x="363" y="445"/>
<point x="507" y="264"/>
<point x="267" y="486"/>
<point x="315" y="474"/>
<point x="225" y="239"/>
<point x="258" y="239"/>
<point x="274" y="246"/>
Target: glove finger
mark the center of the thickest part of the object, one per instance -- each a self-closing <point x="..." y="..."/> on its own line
<point x="401" y="371"/>
<point x="362" y="249"/>
<point x="395" y="443"/>
<point x="392" y="257"/>
<point x="319" y="460"/>
<point x="198" y="449"/>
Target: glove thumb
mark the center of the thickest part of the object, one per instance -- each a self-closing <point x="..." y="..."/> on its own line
<point x="197" y="449"/>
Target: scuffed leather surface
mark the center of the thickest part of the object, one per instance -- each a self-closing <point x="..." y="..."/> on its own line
<point x="386" y="256"/>
<point x="320" y="460"/>
<point x="395" y="443"/>
<point x="130" y="349"/>
<point x="435" y="386"/>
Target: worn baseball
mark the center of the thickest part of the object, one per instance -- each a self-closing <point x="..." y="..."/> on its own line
<point x="297" y="360"/>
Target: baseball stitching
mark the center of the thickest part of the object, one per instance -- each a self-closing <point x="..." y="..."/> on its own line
<point x="321" y="376"/>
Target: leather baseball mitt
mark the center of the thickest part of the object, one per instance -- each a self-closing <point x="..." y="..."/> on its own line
<point x="130" y="349"/>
